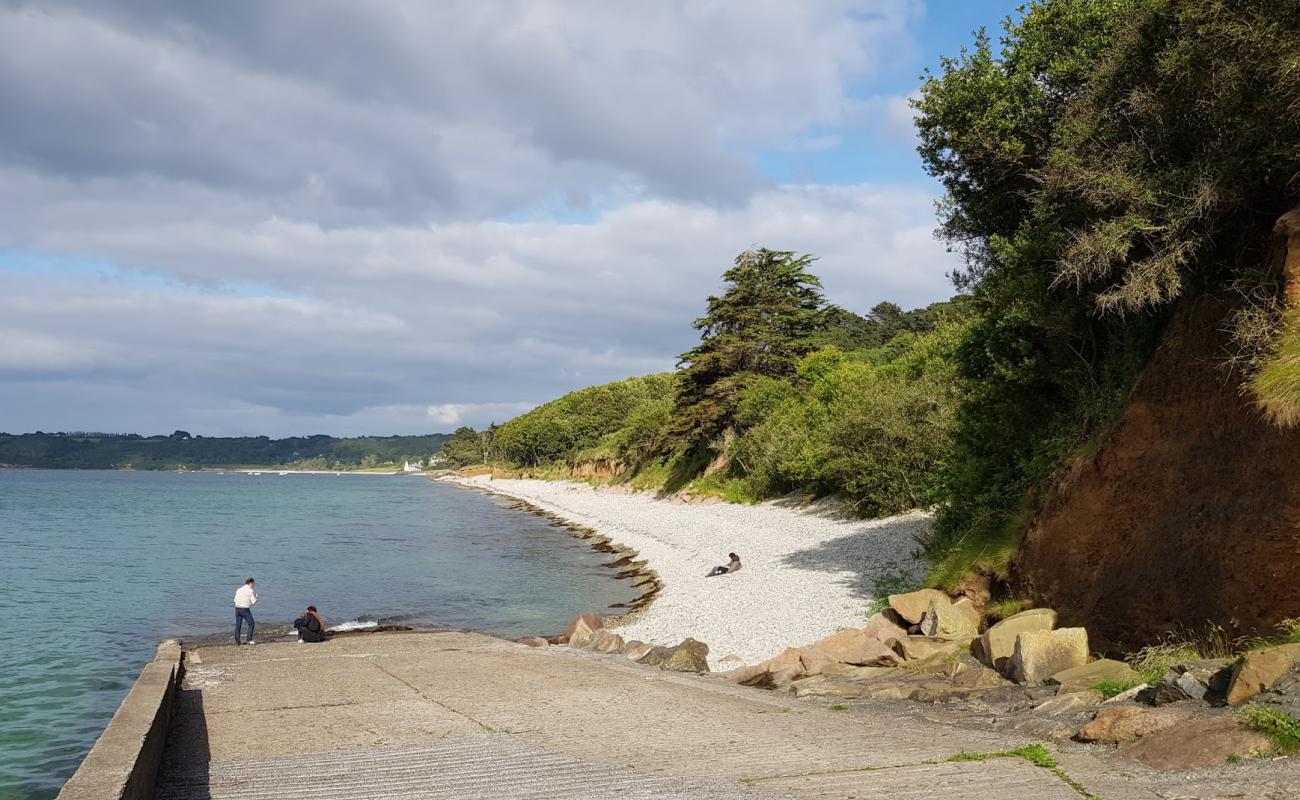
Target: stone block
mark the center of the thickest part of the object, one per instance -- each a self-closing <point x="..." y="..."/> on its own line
<point x="912" y="606"/>
<point x="1038" y="655"/>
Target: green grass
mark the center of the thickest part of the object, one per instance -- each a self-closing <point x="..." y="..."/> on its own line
<point x="1035" y="754"/>
<point x="839" y="707"/>
<point x="1110" y="689"/>
<point x="1282" y="729"/>
<point x="989" y="553"/>
<point x="888" y="583"/>
<point x="1290" y="630"/>
<point x="1000" y="610"/>
<point x="1276" y="384"/>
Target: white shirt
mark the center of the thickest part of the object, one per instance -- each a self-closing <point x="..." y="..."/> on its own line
<point x="245" y="596"/>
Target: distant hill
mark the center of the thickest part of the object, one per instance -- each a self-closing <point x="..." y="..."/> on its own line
<point x="84" y="450"/>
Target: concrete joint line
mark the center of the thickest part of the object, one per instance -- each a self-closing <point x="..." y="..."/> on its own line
<point x="436" y="702"/>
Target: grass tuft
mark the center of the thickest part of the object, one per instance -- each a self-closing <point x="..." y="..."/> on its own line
<point x="1111" y="689"/>
<point x="1035" y="754"/>
<point x="1282" y="729"/>
<point x="1276" y="384"/>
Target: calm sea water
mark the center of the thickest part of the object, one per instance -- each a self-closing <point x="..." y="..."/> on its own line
<point x="97" y="567"/>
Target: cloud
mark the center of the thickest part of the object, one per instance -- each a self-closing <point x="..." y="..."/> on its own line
<point x="459" y="316"/>
<point x="402" y="111"/>
<point x="326" y="217"/>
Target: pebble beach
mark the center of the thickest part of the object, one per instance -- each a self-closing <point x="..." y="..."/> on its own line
<point x="808" y="571"/>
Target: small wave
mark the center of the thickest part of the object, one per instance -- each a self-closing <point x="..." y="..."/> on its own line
<point x="354" y="625"/>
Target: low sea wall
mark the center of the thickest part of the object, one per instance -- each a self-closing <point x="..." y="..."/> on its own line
<point x="123" y="764"/>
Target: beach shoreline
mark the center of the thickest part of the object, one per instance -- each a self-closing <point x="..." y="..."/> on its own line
<point x="808" y="571"/>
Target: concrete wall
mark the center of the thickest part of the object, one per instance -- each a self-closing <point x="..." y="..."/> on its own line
<point x="124" y="762"/>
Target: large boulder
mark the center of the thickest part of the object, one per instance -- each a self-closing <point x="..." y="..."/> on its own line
<point x="998" y="643"/>
<point x="1086" y="676"/>
<point x="944" y="618"/>
<point x="584" y="630"/>
<point x="1259" y="670"/>
<point x="854" y="646"/>
<point x="912" y="606"/>
<point x="1205" y="680"/>
<point x="1128" y="723"/>
<point x="608" y="643"/>
<point x="637" y="650"/>
<point x="920" y="648"/>
<point x="1041" y="654"/>
<point x="689" y="656"/>
<point x="884" y="626"/>
<point x="1206" y="742"/>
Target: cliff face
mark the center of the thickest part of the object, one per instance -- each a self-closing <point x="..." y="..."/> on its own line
<point x="1189" y="514"/>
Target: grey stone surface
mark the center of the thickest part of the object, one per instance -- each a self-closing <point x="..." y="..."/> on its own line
<point x="461" y="715"/>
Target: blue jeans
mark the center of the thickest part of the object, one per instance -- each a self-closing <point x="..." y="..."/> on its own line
<point x="242" y="614"/>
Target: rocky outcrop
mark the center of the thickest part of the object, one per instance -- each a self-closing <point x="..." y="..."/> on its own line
<point x="944" y="618"/>
<point x="1205" y="680"/>
<point x="1259" y="670"/>
<point x="582" y="632"/>
<point x="1194" y="743"/>
<point x="1188" y="511"/>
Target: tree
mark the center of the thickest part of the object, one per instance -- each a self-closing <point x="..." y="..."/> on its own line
<point x="463" y="448"/>
<point x="762" y="324"/>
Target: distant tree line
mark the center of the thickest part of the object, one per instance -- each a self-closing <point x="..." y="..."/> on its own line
<point x="83" y="450"/>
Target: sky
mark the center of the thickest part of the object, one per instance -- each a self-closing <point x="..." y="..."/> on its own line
<point x="399" y="217"/>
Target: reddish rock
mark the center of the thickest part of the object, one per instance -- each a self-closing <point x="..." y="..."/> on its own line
<point x="533" y="641"/>
<point x="587" y="622"/>
<point x="912" y="606"/>
<point x="1197" y="743"/>
<point x="1128" y="723"/>
<point x="884" y="626"/>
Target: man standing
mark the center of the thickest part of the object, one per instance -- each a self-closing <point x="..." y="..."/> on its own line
<point x="245" y="597"/>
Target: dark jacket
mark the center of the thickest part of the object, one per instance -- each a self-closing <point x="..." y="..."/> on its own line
<point x="309" y="629"/>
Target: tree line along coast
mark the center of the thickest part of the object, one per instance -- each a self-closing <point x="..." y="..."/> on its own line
<point x="1121" y="181"/>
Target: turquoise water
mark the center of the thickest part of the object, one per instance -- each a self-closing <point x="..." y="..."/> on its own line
<point x="97" y="567"/>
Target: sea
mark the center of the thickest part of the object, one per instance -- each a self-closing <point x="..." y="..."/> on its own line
<point x="97" y="567"/>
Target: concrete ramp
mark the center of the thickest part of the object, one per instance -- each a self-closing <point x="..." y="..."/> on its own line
<point x="465" y="716"/>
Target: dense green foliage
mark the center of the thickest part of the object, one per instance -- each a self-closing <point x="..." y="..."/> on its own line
<point x="759" y="327"/>
<point x="109" y="451"/>
<point x="804" y="398"/>
<point x="612" y="417"/>
<point x="1109" y="157"/>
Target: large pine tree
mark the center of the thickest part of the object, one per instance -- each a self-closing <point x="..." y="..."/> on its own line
<point x="762" y="324"/>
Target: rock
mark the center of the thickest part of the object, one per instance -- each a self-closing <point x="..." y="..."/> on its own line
<point x="1285" y="694"/>
<point x="638" y="651"/>
<point x="628" y="645"/>
<point x="1077" y="679"/>
<point x="583" y="639"/>
<point x="689" y="656"/>
<point x="1205" y="680"/>
<point x="945" y="619"/>
<point x="1194" y="743"/>
<point x="1259" y="670"/>
<point x="1128" y="723"/>
<point x="533" y="641"/>
<point x="883" y="626"/>
<point x="587" y="622"/>
<point x="913" y="605"/>
<point x="1041" y="654"/>
<point x="828" y="686"/>
<point x="557" y="640"/>
<point x="608" y="643"/>
<point x="1129" y="695"/>
<point x="920" y="648"/>
<point x="853" y="646"/>
<point x="971" y="610"/>
<point x="1069" y="702"/>
<point x="856" y="673"/>
<point x="998" y="643"/>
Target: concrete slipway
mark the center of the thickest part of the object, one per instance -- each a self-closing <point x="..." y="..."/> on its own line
<point x="457" y="715"/>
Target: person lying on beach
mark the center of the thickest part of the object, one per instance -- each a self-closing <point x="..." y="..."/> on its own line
<point x="729" y="568"/>
<point x="311" y="628"/>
